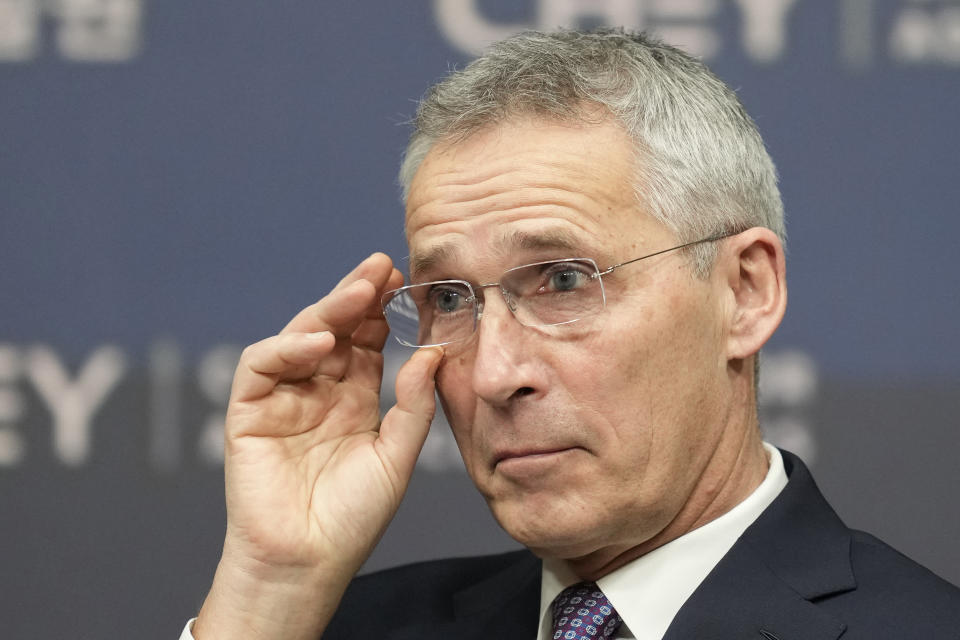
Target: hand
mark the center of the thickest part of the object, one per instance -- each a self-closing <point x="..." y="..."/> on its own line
<point x="312" y="475"/>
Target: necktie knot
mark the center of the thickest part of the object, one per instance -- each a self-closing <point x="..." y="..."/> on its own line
<point x="582" y="612"/>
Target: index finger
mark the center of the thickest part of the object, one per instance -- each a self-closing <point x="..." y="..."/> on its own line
<point x="372" y="332"/>
<point x="342" y="310"/>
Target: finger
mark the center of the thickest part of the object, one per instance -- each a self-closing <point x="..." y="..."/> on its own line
<point x="376" y="270"/>
<point x="373" y="331"/>
<point x="395" y="281"/>
<point x="366" y="364"/>
<point x="404" y="428"/>
<point x="339" y="312"/>
<point x="370" y="268"/>
<point x="371" y="334"/>
<point x="281" y="358"/>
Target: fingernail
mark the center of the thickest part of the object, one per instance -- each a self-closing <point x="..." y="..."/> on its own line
<point x="318" y="335"/>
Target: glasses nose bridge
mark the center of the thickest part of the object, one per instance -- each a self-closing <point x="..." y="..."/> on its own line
<point x="508" y="298"/>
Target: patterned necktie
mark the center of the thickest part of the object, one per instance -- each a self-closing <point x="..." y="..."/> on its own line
<point x="582" y="612"/>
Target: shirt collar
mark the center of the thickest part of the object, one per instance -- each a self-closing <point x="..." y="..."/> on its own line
<point x="648" y="592"/>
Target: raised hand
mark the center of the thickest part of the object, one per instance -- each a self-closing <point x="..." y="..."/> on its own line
<point x="312" y="476"/>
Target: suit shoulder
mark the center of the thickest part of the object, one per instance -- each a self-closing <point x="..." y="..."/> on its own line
<point x="881" y="568"/>
<point x="895" y="597"/>
<point x="443" y="575"/>
<point x="394" y="602"/>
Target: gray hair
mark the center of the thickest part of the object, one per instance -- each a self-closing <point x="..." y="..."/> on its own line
<point x="702" y="168"/>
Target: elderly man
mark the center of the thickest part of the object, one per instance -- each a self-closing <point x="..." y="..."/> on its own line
<point x="596" y="260"/>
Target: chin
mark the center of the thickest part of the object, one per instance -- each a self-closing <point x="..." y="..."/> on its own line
<point x="548" y="528"/>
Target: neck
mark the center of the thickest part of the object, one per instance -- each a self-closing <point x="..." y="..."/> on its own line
<point x="734" y="471"/>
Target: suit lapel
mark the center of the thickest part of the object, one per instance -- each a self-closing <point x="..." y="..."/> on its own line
<point x="764" y="588"/>
<point x="744" y="599"/>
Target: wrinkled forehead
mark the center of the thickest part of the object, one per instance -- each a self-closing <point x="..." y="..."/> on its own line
<point x="504" y="244"/>
<point x="596" y="140"/>
<point x="521" y="188"/>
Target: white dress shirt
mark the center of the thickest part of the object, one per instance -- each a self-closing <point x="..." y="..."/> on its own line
<point x="648" y="592"/>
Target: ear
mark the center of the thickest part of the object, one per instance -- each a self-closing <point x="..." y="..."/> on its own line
<point x="754" y="268"/>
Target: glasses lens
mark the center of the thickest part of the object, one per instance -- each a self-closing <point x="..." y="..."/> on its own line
<point x="431" y="313"/>
<point x="555" y="292"/>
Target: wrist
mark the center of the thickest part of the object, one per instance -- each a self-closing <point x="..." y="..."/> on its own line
<point x="261" y="602"/>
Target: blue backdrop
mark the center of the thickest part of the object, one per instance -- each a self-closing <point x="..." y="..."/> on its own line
<point x="179" y="178"/>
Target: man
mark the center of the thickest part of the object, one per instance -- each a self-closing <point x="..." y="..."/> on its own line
<point x="596" y="260"/>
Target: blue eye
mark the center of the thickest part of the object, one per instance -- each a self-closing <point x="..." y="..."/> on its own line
<point x="567" y="280"/>
<point x="448" y="299"/>
<point x="567" y="276"/>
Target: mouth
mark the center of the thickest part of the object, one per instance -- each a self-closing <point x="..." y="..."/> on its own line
<point x="514" y="461"/>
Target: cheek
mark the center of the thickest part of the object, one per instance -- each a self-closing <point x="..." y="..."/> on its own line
<point x="458" y="401"/>
<point x="600" y="383"/>
<point x="452" y="383"/>
<point x="682" y="374"/>
<point x="663" y="359"/>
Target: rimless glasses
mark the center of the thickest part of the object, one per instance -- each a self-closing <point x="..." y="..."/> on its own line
<point x="542" y="294"/>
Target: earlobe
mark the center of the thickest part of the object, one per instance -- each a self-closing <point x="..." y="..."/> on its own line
<point x="756" y="274"/>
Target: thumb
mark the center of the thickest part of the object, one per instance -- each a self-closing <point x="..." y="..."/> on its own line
<point x="404" y="428"/>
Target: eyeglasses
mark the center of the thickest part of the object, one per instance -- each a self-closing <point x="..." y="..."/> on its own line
<point x="542" y="294"/>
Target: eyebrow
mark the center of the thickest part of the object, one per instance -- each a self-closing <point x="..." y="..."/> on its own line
<point x="548" y="240"/>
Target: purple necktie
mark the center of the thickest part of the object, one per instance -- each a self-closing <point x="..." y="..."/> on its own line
<point x="582" y="612"/>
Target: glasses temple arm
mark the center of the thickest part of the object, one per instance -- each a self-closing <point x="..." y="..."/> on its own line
<point x="720" y="236"/>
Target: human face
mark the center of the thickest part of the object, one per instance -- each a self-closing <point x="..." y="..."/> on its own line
<point x="588" y="438"/>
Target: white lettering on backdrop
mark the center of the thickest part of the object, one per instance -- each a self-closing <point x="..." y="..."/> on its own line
<point x="179" y="403"/>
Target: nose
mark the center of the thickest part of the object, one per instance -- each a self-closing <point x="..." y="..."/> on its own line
<point x="503" y="364"/>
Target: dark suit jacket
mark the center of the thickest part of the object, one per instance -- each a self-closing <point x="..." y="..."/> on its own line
<point x="797" y="573"/>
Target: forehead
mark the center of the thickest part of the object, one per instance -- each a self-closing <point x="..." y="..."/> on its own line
<point x="525" y="187"/>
